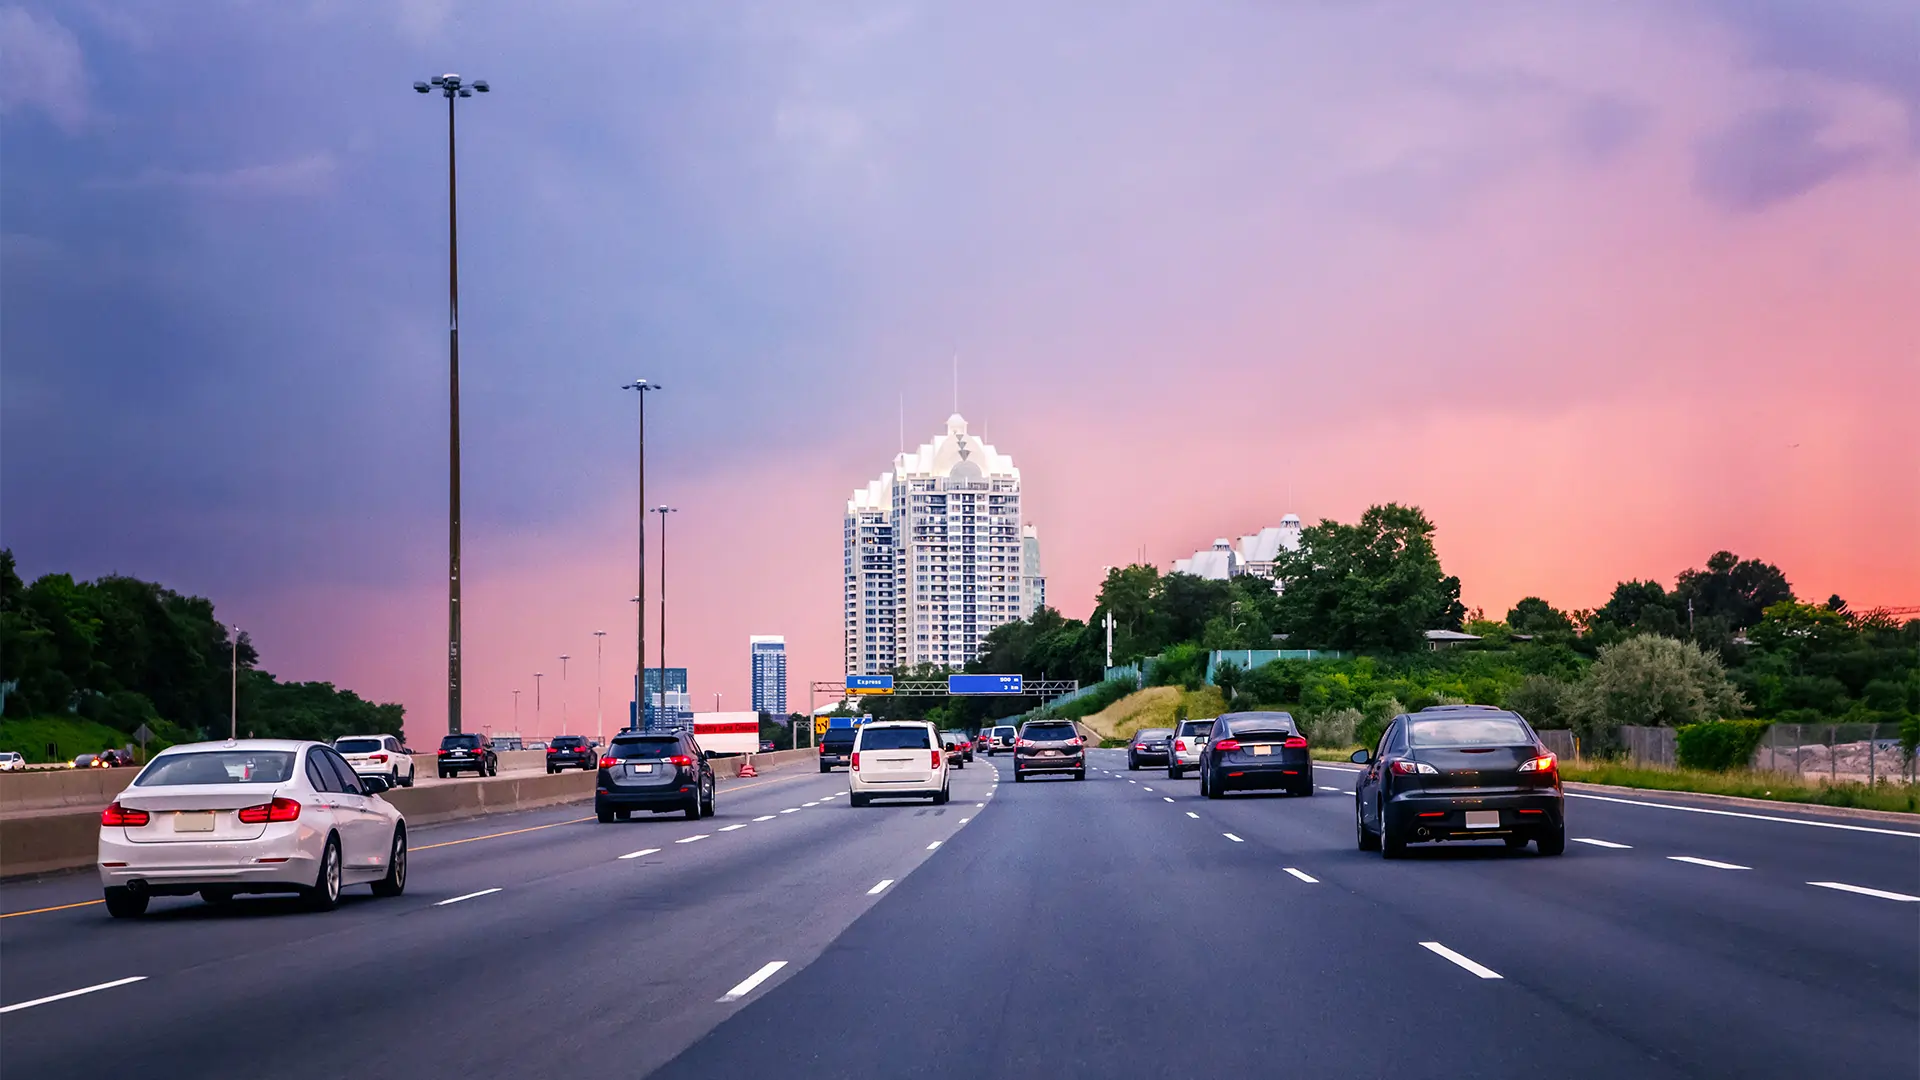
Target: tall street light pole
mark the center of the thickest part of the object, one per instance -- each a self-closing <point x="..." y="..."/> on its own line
<point x="536" y="702"/>
<point x="516" y="710"/>
<point x="563" y="692"/>
<point x="599" y="713"/>
<point x="663" y="510"/>
<point x="641" y="387"/>
<point x="453" y="89"/>
<point x="233" y="702"/>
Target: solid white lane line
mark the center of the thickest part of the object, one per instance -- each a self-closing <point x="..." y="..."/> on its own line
<point x="1303" y="876"/>
<point x="1864" y="891"/>
<point x="764" y="817"/>
<point x="1166" y="798"/>
<point x="1714" y="863"/>
<point x="730" y="828"/>
<point x="933" y="845"/>
<point x="1481" y="970"/>
<point x="1750" y="817"/>
<point x="691" y="839"/>
<point x="642" y="853"/>
<point x="1233" y="838"/>
<point x="1601" y="843"/>
<point x="1193" y="815"/>
<point x="18" y="1005"/>
<point x="469" y="896"/>
<point x="791" y="810"/>
<point x="880" y="888"/>
<point x="747" y="984"/>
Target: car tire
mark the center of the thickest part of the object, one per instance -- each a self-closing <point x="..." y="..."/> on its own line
<point x="605" y="817"/>
<point x="940" y="797"/>
<point x="551" y="770"/>
<point x="1304" y="789"/>
<point x="825" y="768"/>
<point x="493" y="767"/>
<point x="1392" y="844"/>
<point x="395" y="882"/>
<point x="1364" y="838"/>
<point x="623" y="815"/>
<point x="412" y="773"/>
<point x="1079" y="774"/>
<point x="443" y="773"/>
<point x="1553" y="842"/>
<point x="324" y="893"/>
<point x="1210" y="785"/>
<point x="693" y="808"/>
<point x="1018" y="776"/>
<point x="856" y="800"/>
<point x="709" y="811"/>
<point x="1132" y="765"/>
<point x="1176" y="773"/>
<point x="124" y="903"/>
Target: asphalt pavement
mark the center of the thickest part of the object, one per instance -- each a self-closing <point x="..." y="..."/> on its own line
<point x="1119" y="927"/>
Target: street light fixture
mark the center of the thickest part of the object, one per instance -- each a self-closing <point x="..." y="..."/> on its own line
<point x="453" y="88"/>
<point x="641" y="387"/>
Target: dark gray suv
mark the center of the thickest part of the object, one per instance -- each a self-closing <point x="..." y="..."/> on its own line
<point x="1049" y="746"/>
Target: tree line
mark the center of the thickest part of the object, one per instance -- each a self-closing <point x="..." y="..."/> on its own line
<point x="123" y="652"/>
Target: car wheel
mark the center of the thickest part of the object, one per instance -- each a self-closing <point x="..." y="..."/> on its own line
<point x="708" y="812"/>
<point x="443" y="774"/>
<point x="1392" y="844"/>
<point x="940" y="797"/>
<point x="1364" y="838"/>
<point x="825" y="768"/>
<point x="1304" y="789"/>
<point x="324" y="894"/>
<point x="1132" y="765"/>
<point x="1079" y="774"/>
<point x="623" y="815"/>
<point x="124" y="903"/>
<point x="551" y="770"/>
<point x="605" y="817"/>
<point x="395" y="882"/>
<point x="1018" y="776"/>
<point x="411" y="774"/>
<point x="493" y="767"/>
<point x="1176" y="773"/>
<point x="856" y="800"/>
<point x="1554" y="842"/>
<point x="693" y="808"/>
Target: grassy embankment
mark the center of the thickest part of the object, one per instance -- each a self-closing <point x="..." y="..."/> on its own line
<point x="1153" y="707"/>
<point x="70" y="735"/>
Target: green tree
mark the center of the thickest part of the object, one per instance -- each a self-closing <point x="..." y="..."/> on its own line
<point x="1638" y="606"/>
<point x="1731" y="588"/>
<point x="1653" y="681"/>
<point x="1376" y="584"/>
<point x="1544" y="700"/>
<point x="1533" y="615"/>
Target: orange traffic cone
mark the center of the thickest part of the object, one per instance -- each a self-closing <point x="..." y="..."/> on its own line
<point x="747" y="769"/>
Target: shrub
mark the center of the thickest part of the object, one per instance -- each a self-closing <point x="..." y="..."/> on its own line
<point x="1094" y="700"/>
<point x="1542" y="699"/>
<point x="1336" y="728"/>
<point x="1653" y="680"/>
<point x="1719" y="745"/>
<point x="1181" y="665"/>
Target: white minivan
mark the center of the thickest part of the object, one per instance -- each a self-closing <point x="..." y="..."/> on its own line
<point x="897" y="759"/>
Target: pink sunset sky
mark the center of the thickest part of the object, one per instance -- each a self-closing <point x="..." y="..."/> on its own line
<point x="1603" y="289"/>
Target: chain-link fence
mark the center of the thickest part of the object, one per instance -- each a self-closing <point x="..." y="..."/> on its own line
<point x="1861" y="753"/>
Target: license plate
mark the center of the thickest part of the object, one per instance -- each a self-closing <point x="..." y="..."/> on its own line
<point x="634" y="770"/>
<point x="1483" y="819"/>
<point x="1049" y="753"/>
<point x="196" y="821"/>
<point x="1262" y="750"/>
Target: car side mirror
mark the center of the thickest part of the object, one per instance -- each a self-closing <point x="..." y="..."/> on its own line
<point x="1360" y="757"/>
<point x="374" y="785"/>
<point x="708" y="754"/>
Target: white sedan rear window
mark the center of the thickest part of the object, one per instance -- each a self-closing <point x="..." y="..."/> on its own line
<point x="218" y="767"/>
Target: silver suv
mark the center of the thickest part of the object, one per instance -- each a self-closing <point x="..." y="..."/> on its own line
<point x="1188" y="740"/>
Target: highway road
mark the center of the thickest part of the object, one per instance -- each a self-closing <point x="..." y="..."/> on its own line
<point x="1121" y="927"/>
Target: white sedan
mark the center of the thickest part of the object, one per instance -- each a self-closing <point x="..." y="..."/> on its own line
<point x="249" y="816"/>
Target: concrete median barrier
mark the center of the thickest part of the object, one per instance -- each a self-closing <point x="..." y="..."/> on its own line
<point x="50" y="789"/>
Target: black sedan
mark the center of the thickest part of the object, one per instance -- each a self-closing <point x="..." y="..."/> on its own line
<point x="1459" y="774"/>
<point x="1149" y="747"/>
<point x="1254" y="751"/>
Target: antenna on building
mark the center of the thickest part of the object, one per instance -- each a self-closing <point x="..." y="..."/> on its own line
<point x="956" y="381"/>
<point x="903" y="421"/>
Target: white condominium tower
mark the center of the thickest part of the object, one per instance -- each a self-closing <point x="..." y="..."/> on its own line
<point x="935" y="556"/>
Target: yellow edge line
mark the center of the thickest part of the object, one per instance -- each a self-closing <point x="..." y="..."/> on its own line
<point x="424" y="847"/>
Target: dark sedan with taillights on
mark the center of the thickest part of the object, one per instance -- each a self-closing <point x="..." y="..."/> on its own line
<point x="1255" y="751"/>
<point x="1459" y="773"/>
<point x="1149" y="747"/>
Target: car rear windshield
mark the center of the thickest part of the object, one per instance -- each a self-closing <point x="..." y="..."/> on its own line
<point x="1050" y="732"/>
<point x="1264" y="725"/>
<point x="644" y="748"/>
<point x="1004" y="729"/>
<point x="1469" y="731"/>
<point x="449" y="742"/>
<point x="357" y="746"/>
<point x="218" y="767"/>
<point x="568" y="742"/>
<point x="1200" y="728"/>
<point x="1153" y="733"/>
<point x="894" y="738"/>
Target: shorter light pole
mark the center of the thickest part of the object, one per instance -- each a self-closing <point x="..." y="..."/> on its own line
<point x="563" y="692"/>
<point x="516" y="710"/>
<point x="716" y="701"/>
<point x="536" y="702"/>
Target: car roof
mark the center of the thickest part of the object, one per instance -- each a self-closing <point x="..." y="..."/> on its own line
<point x="1462" y="708"/>
<point x="896" y="723"/>
<point x="1263" y="714"/>
<point x="241" y="744"/>
<point x="1463" y="712"/>
<point x="370" y="735"/>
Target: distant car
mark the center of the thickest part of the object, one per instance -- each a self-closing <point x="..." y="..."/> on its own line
<point x="766" y="746"/>
<point x="571" y="752"/>
<point x="1049" y="746"/>
<point x="11" y="761"/>
<point x="536" y="746"/>
<point x="657" y="772"/>
<point x="1255" y="750"/>
<point x="1150" y="746"/>
<point x="956" y="757"/>
<point x="1459" y="774"/>
<point x="467" y="751"/>
<point x="377" y="755"/>
<point x="983" y="741"/>
<point x="252" y="816"/>
<point x="894" y="759"/>
<point x="87" y="761"/>
<point x="965" y="742"/>
<point x="1001" y="739"/>
<point x="836" y="747"/>
<point x="1188" y="740"/>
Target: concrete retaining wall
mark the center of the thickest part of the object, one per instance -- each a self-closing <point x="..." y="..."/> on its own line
<point x="61" y="787"/>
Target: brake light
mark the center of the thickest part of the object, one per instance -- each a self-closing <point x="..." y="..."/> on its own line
<point x="854" y="762"/>
<point x="1180" y="745"/>
<point x="120" y="816"/>
<point x="1543" y="763"/>
<point x="1226" y="744"/>
<point x="1026" y="742"/>
<point x="443" y="751"/>
<point x="1078" y="741"/>
<point x="377" y="757"/>
<point x="681" y="760"/>
<point x="277" y="810"/>
<point x="553" y="749"/>
<point x="607" y="761"/>
<point x="1433" y="813"/>
<point x="1294" y="743"/>
<point x="938" y="758"/>
<point x="821" y="749"/>
<point x="1408" y="768"/>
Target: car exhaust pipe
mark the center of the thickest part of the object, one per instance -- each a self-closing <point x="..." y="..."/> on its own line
<point x="1424" y="833"/>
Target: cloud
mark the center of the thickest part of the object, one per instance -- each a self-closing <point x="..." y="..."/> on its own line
<point x="1865" y="42"/>
<point x="41" y="68"/>
<point x="1603" y="125"/>
<point x="1770" y="156"/>
<point x="307" y="175"/>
